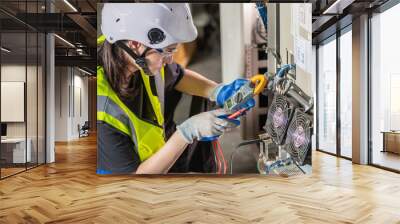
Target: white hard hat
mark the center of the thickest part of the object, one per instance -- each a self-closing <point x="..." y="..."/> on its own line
<point x="156" y="25"/>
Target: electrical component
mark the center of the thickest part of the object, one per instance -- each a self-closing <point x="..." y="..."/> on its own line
<point x="298" y="140"/>
<point x="285" y="148"/>
<point x="279" y="115"/>
<point x="297" y="145"/>
<point x="236" y="105"/>
<point x="284" y="168"/>
<point x="287" y="87"/>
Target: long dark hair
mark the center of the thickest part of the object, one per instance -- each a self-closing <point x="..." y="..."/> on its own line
<point x="114" y="63"/>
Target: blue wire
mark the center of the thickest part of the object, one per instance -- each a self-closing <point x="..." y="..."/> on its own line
<point x="285" y="69"/>
<point x="262" y="10"/>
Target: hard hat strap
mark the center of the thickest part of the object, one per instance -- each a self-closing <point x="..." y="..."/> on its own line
<point x="139" y="60"/>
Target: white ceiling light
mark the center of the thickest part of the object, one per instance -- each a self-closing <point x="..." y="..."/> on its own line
<point x="64" y="40"/>
<point x="86" y="72"/>
<point x="80" y="51"/>
<point x="5" y="50"/>
<point x="70" y="5"/>
<point x="337" y="7"/>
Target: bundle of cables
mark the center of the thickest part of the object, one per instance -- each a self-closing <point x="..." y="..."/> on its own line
<point x="219" y="158"/>
<point x="220" y="162"/>
<point x="237" y="105"/>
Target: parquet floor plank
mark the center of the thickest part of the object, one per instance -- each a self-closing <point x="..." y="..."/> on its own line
<point x="69" y="191"/>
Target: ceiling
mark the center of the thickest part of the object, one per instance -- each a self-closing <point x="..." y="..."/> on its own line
<point x="329" y="16"/>
<point x="74" y="22"/>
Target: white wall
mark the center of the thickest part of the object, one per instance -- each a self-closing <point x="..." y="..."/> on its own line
<point x="13" y="73"/>
<point x="33" y="126"/>
<point x="232" y="41"/>
<point x="250" y="15"/>
<point x="61" y="103"/>
<point x="16" y="72"/>
<point x="295" y="36"/>
<point x="80" y="110"/>
<point x="70" y="83"/>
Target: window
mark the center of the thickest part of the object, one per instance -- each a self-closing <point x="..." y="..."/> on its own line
<point x="385" y="89"/>
<point x="327" y="97"/>
<point x="346" y="94"/>
<point x="22" y="66"/>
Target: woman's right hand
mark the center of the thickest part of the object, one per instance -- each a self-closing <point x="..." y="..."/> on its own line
<point x="205" y="125"/>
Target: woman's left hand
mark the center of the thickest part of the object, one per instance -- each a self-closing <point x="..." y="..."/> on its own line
<point x="223" y="92"/>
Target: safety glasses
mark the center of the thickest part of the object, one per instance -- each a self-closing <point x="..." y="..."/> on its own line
<point x="166" y="52"/>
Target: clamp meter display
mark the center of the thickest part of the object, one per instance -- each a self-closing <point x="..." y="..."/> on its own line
<point x="253" y="87"/>
<point x="241" y="96"/>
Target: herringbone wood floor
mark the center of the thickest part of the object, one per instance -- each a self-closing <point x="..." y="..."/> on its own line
<point x="69" y="191"/>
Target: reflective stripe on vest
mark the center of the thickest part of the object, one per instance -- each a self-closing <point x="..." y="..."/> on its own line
<point x="101" y="39"/>
<point x="154" y="100"/>
<point x="148" y="138"/>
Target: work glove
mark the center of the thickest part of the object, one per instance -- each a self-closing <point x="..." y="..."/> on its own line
<point x="223" y="92"/>
<point x="206" y="126"/>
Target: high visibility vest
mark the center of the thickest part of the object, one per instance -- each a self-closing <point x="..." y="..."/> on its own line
<point x="147" y="137"/>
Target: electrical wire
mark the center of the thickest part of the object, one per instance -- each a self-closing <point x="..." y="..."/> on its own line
<point x="262" y="10"/>
<point x="215" y="159"/>
<point x="217" y="145"/>
<point x="218" y="159"/>
<point x="237" y="113"/>
<point x="249" y="142"/>
<point x="221" y="154"/>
